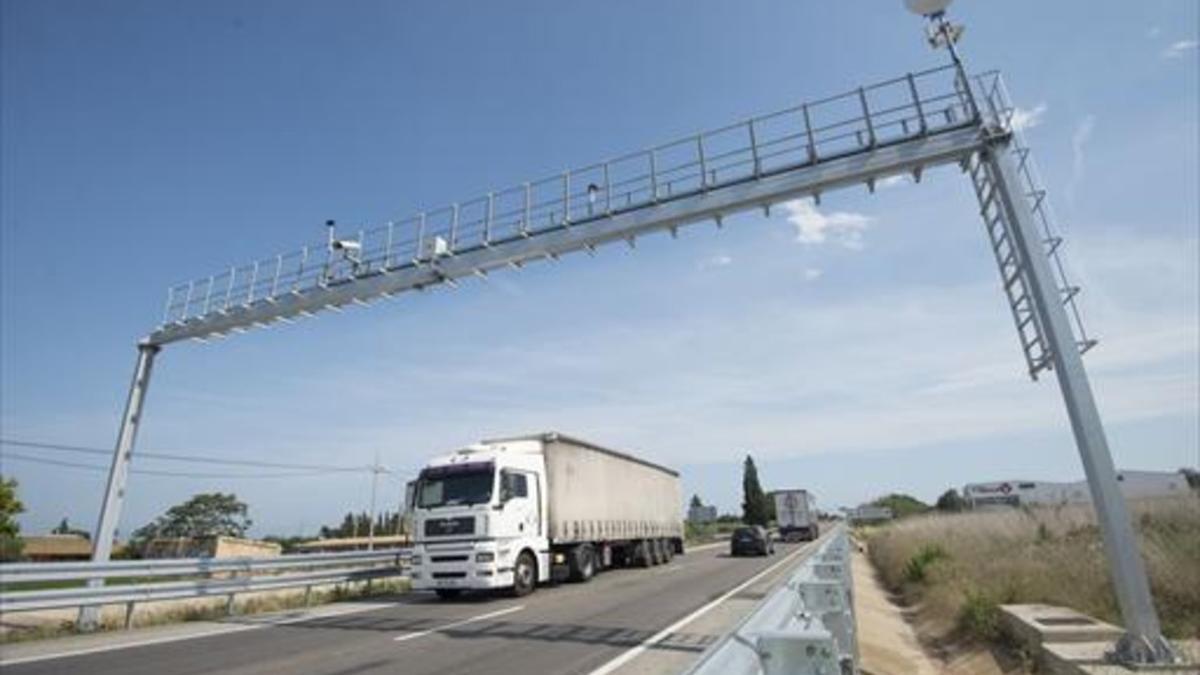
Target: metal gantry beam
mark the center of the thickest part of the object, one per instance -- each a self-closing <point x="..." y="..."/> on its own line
<point x="904" y="125"/>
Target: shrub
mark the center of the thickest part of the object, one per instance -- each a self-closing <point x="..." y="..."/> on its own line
<point x="979" y="617"/>
<point x="916" y="570"/>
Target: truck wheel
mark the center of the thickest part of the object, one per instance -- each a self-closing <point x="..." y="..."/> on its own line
<point x="448" y="593"/>
<point x="524" y="575"/>
<point x="668" y="549"/>
<point x="582" y="563"/>
<point x="656" y="551"/>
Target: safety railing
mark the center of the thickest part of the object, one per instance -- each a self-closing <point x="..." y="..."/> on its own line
<point x="860" y="120"/>
<point x="39" y="586"/>
<point x="805" y="627"/>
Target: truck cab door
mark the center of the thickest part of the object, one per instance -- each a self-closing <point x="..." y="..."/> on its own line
<point x="520" y="505"/>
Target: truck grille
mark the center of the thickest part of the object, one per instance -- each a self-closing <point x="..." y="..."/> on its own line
<point x="447" y="558"/>
<point x="449" y="575"/>
<point x="441" y="527"/>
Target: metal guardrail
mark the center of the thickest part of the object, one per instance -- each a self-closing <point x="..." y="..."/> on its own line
<point x="806" y="626"/>
<point x="213" y="578"/>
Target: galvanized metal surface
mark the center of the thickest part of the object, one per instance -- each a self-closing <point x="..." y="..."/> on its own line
<point x="236" y="575"/>
<point x="511" y="226"/>
<point x="805" y="627"/>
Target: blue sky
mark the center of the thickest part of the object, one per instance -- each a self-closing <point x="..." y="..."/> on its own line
<point x="146" y="143"/>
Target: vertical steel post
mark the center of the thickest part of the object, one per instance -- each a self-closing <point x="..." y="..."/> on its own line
<point x="808" y="133"/>
<point x="916" y="98"/>
<point x="527" y="209"/>
<point x="754" y="148"/>
<point x="566" y="198"/>
<point x="1143" y="641"/>
<point x="118" y="472"/>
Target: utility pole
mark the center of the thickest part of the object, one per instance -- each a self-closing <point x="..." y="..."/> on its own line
<point x="375" y="469"/>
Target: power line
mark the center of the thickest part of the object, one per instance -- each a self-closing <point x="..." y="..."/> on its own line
<point x="177" y="457"/>
<point x="154" y="472"/>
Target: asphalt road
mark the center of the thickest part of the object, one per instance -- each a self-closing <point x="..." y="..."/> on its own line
<point x="622" y="621"/>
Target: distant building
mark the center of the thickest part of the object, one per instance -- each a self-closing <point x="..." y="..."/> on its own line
<point x="702" y="514"/>
<point x="56" y="548"/>
<point x="1133" y="484"/>
<point x="209" y="547"/>
<point x="352" y="543"/>
<point x="869" y="513"/>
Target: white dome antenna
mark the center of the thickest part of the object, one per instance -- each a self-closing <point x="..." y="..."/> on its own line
<point x="927" y="7"/>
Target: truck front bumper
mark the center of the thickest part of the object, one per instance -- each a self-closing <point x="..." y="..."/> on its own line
<point x="461" y="566"/>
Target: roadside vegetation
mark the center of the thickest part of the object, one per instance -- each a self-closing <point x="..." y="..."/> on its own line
<point x="956" y="569"/>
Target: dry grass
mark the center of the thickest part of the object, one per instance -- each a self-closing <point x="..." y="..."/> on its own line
<point x="957" y="569"/>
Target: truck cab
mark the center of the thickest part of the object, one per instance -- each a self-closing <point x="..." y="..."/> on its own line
<point x="479" y="520"/>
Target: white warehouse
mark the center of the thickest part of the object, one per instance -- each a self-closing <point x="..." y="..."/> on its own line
<point x="1134" y="485"/>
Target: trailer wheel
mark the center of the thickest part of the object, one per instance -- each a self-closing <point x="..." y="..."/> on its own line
<point x="668" y="550"/>
<point x="582" y="563"/>
<point x="642" y="554"/>
<point x="656" y="552"/>
<point x="524" y="574"/>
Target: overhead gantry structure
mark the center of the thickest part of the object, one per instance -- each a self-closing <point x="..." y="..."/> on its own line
<point x="903" y="126"/>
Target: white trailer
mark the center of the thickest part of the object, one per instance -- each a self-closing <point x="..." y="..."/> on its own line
<point x="510" y="513"/>
<point x="796" y="515"/>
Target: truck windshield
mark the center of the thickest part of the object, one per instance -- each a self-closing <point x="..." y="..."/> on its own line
<point x="456" y="485"/>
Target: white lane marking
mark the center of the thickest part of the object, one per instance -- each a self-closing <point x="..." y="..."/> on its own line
<point x="634" y="652"/>
<point x="215" y="630"/>
<point x="481" y="617"/>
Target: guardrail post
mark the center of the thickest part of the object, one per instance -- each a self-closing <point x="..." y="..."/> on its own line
<point x="128" y="615"/>
<point x="230" y="605"/>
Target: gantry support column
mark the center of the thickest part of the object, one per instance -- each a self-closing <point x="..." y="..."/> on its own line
<point x="1143" y="641"/>
<point x="118" y="473"/>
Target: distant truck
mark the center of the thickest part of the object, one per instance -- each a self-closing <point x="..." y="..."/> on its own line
<point x="796" y="514"/>
<point x="512" y="513"/>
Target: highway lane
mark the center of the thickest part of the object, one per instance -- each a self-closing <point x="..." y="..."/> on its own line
<point x="572" y="628"/>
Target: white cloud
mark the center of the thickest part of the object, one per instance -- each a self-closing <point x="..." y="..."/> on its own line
<point x="812" y="274"/>
<point x="720" y="260"/>
<point x="1079" y="140"/>
<point x="813" y="227"/>
<point x="1023" y="119"/>
<point x="1178" y="49"/>
<point x="892" y="181"/>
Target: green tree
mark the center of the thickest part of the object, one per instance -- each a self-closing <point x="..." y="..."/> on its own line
<point x="902" y="505"/>
<point x="204" y="515"/>
<point x="754" y="501"/>
<point x="64" y="527"/>
<point x="696" y="503"/>
<point x="10" y="529"/>
<point x="950" y="501"/>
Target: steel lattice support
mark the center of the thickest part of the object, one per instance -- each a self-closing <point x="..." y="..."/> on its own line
<point x="1143" y="641"/>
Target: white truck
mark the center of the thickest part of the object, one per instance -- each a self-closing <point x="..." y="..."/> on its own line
<point x="796" y="514"/>
<point x="511" y="513"/>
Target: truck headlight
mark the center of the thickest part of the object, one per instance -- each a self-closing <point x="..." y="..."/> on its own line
<point x="485" y="557"/>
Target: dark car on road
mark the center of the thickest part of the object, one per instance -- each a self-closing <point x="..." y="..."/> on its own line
<point x="751" y="541"/>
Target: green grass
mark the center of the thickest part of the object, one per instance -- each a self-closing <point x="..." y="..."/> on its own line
<point x="956" y="570"/>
